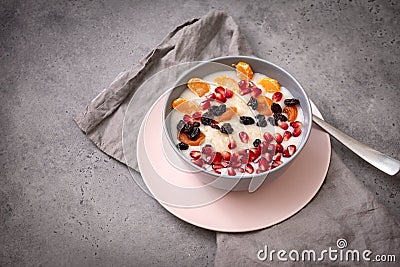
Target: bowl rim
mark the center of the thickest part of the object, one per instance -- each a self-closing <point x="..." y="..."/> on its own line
<point x="239" y="58"/>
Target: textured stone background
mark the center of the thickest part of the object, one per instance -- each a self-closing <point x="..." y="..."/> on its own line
<point x="63" y="202"/>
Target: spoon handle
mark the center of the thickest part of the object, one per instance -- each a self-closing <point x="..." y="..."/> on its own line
<point x="384" y="163"/>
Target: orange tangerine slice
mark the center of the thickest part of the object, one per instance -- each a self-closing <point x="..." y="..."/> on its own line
<point x="291" y="112"/>
<point x="264" y="105"/>
<point x="185" y="106"/>
<point x="198" y="86"/>
<point x="227" y="82"/>
<point x="244" y="71"/>
<point x="182" y="137"/>
<point x="270" y="85"/>
<point x="227" y="115"/>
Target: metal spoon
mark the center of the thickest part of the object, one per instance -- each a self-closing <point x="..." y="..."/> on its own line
<point x="384" y="163"/>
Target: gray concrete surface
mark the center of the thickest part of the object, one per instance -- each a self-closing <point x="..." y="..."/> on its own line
<point x="63" y="202"/>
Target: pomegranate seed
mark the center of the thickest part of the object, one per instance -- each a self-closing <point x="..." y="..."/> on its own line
<point x="225" y="163"/>
<point x="278" y="148"/>
<point x="245" y="91"/>
<point x="243" y="84"/>
<point x="287" y="135"/>
<point x="244" y="159"/>
<point x="217" y="172"/>
<point x="205" y="104"/>
<point x="226" y="155"/>
<point x="220" y="97"/>
<point x="296" y="132"/>
<point x="234" y="162"/>
<point x="258" y="171"/>
<point x="228" y="93"/>
<point x="263" y="164"/>
<point x="220" y="90"/>
<point x="278" y="138"/>
<point x="271" y="148"/>
<point x="195" y="154"/>
<point x="264" y="147"/>
<point x="241" y="170"/>
<point x="199" y="162"/>
<point x="187" y="118"/>
<point x="252" y="155"/>
<point x="232" y="144"/>
<point x="249" y="168"/>
<point x="244" y="137"/>
<point x="296" y="124"/>
<point x="207" y="150"/>
<point x="268" y="137"/>
<point x="277" y="96"/>
<point x="210" y="96"/>
<point x="278" y="156"/>
<point x="231" y="171"/>
<point x="283" y="125"/>
<point x="217" y="166"/>
<point x="252" y="85"/>
<point x="217" y="158"/>
<point x="197" y="115"/>
<point x="236" y="165"/>
<point x="276" y="163"/>
<point x="256" y="92"/>
<point x="286" y="154"/>
<point x="291" y="149"/>
<point x="234" y="158"/>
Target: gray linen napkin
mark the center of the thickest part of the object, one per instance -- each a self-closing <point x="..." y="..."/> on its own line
<point x="214" y="35"/>
<point x="334" y="213"/>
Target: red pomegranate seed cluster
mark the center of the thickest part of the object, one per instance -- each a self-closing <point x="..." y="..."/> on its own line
<point x="264" y="157"/>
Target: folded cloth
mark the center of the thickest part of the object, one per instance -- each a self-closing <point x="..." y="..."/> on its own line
<point x="216" y="34"/>
<point x="344" y="208"/>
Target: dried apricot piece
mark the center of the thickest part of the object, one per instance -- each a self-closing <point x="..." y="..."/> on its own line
<point x="198" y="86"/>
<point x="244" y="71"/>
<point x="182" y="137"/>
<point x="264" y="105"/>
<point x="227" y="115"/>
<point x="270" y="85"/>
<point x="227" y="82"/>
<point x="185" y="106"/>
<point x="291" y="112"/>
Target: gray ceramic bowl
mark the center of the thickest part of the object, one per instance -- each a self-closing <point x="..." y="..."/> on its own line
<point x="260" y="66"/>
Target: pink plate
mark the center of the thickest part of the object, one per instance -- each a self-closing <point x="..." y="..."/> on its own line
<point x="241" y="211"/>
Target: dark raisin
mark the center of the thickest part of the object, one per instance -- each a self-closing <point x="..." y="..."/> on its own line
<point x="215" y="126"/>
<point x="271" y="121"/>
<point x="279" y="117"/>
<point x="260" y="117"/>
<point x="194" y="134"/>
<point x="188" y="128"/>
<point x="180" y="125"/>
<point x="262" y="123"/>
<point x="246" y="120"/>
<point x="226" y="128"/>
<point x="196" y="124"/>
<point x="291" y="102"/>
<point x="217" y="110"/>
<point x="207" y="118"/>
<point x="253" y="103"/>
<point x="182" y="146"/>
<point x="256" y="142"/>
<point x="276" y="108"/>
